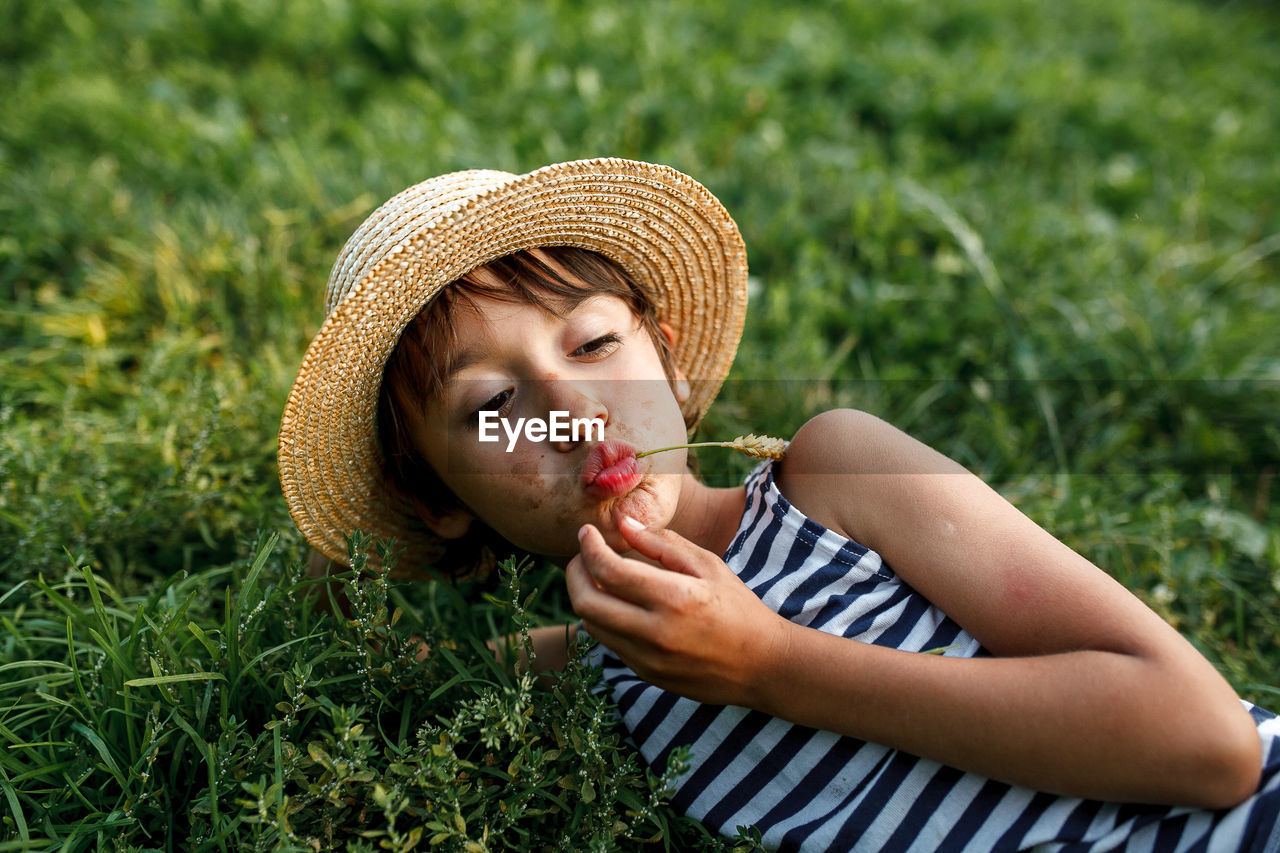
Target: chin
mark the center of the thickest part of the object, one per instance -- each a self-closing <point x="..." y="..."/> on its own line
<point x="645" y="503"/>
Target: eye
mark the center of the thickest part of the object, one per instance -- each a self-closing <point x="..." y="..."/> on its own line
<point x="500" y="403"/>
<point x="599" y="347"/>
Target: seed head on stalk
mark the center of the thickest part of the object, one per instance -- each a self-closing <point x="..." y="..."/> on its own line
<point x="755" y="446"/>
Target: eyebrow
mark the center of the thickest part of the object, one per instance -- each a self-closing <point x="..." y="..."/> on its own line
<point x="470" y="355"/>
<point x="461" y="361"/>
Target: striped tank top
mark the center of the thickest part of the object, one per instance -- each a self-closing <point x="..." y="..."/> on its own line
<point x="811" y="790"/>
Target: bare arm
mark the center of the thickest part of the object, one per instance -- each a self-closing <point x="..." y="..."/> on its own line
<point x="551" y="645"/>
<point x="1094" y="696"/>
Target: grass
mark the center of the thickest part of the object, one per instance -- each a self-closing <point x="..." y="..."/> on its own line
<point x="1043" y="240"/>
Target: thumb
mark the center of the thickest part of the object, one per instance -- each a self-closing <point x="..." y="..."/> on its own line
<point x="669" y="548"/>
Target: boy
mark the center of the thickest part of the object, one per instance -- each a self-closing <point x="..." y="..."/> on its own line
<point x="760" y="623"/>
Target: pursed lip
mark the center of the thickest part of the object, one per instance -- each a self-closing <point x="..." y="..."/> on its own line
<point x="610" y="469"/>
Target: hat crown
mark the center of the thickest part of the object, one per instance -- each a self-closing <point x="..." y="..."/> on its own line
<point x="408" y="212"/>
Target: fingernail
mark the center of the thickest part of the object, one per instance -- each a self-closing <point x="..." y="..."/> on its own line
<point x="631" y="524"/>
<point x="582" y="532"/>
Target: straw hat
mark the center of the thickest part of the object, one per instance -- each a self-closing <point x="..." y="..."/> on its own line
<point x="666" y="230"/>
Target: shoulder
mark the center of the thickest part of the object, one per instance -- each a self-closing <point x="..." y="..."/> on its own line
<point x="842" y="470"/>
<point x="848" y="441"/>
<point x="835" y="441"/>
<point x="821" y="456"/>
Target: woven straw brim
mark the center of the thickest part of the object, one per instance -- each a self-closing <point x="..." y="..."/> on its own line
<point x="666" y="230"/>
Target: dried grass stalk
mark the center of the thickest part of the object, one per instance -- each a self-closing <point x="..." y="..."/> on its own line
<point x="756" y="446"/>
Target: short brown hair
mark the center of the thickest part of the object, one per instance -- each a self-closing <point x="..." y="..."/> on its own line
<point x="554" y="278"/>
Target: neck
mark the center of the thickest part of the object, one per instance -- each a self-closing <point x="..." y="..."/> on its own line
<point x="706" y="516"/>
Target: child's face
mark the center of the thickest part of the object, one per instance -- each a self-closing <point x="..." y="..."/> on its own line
<point x="597" y="361"/>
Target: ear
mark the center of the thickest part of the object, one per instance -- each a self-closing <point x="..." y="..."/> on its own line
<point x="680" y="385"/>
<point x="447" y="523"/>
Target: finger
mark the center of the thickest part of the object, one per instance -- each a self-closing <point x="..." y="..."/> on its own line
<point x="597" y="606"/>
<point x="629" y="579"/>
<point x="621" y="647"/>
<point x="669" y="548"/>
<point x="638" y="654"/>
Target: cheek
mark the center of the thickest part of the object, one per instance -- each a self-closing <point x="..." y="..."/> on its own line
<point x="498" y="497"/>
<point x="522" y="506"/>
<point x="524" y="491"/>
<point x="662" y="423"/>
<point x="654" y="414"/>
<point x="538" y="525"/>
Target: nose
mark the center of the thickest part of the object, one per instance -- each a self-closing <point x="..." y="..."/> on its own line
<point x="583" y="404"/>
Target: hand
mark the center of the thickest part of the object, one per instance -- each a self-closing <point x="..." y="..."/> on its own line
<point x="691" y="627"/>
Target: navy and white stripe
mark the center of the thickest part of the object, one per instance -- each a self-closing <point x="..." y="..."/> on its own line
<point x="810" y="790"/>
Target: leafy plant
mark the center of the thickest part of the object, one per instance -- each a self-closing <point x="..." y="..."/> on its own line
<point x="1041" y="238"/>
<point x="158" y="721"/>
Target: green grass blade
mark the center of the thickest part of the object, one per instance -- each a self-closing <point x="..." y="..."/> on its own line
<point x="103" y="751"/>
<point x="15" y="806"/>
<point x="250" y="584"/>
<point x="108" y="624"/>
<point x="170" y="679"/>
<point x="200" y="635"/>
